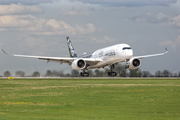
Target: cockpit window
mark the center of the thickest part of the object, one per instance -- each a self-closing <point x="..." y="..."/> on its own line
<point x="126" y="48"/>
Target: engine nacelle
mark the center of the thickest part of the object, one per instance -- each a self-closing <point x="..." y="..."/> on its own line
<point x="78" y="64"/>
<point x="134" y="63"/>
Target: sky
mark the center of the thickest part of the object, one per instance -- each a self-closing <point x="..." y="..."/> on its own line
<point x="40" y="27"/>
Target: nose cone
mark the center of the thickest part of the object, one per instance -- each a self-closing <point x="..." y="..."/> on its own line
<point x="129" y="54"/>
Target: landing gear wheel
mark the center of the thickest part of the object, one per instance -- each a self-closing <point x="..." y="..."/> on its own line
<point x="85" y="74"/>
<point x="126" y="66"/>
<point x="112" y="74"/>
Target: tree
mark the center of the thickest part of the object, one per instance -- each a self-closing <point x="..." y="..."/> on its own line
<point x="105" y="72"/>
<point x="48" y="73"/>
<point x="91" y="73"/>
<point x="54" y="73"/>
<point x="120" y="69"/>
<point x="146" y="74"/>
<point x="7" y="74"/>
<point x="179" y="74"/>
<point x="166" y="73"/>
<point x="175" y="75"/>
<point x="68" y="75"/>
<point x="36" y="74"/>
<point x="158" y="74"/>
<point x="135" y="73"/>
<point x="20" y="74"/>
<point x="75" y="73"/>
<point x="124" y="73"/>
<point x="57" y="73"/>
<point x="98" y="73"/>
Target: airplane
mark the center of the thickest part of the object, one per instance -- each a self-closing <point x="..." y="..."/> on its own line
<point x="101" y="58"/>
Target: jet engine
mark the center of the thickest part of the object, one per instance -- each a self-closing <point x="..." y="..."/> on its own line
<point x="78" y="64"/>
<point x="134" y="63"/>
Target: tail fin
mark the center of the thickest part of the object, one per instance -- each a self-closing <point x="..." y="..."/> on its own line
<point x="72" y="52"/>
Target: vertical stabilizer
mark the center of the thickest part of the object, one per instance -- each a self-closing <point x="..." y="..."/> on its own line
<point x="72" y="52"/>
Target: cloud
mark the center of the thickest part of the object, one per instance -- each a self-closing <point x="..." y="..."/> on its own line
<point x="36" y="26"/>
<point x="40" y="43"/>
<point x="14" y="22"/>
<point x="150" y="18"/>
<point x="76" y="9"/>
<point x="90" y="28"/>
<point x="19" y="9"/>
<point x="175" y="21"/>
<point x="103" y="40"/>
<point x="172" y="43"/>
<point x="159" y="18"/>
<point x="66" y="12"/>
<point x="116" y="3"/>
<point x="26" y="2"/>
<point x="109" y="39"/>
<point x="130" y="3"/>
<point x="34" y="42"/>
<point x="74" y="12"/>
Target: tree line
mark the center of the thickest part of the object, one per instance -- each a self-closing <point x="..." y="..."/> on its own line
<point x="121" y="72"/>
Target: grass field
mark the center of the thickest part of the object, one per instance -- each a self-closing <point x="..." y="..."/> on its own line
<point x="94" y="99"/>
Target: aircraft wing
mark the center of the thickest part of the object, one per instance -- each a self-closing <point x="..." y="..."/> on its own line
<point x="58" y="59"/>
<point x="152" y="54"/>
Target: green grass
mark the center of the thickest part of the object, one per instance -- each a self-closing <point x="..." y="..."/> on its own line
<point x="93" y="99"/>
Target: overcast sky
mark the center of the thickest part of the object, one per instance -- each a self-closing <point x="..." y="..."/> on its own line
<point x="39" y="27"/>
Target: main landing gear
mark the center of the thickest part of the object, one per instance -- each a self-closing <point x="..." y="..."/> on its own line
<point x="112" y="73"/>
<point x="84" y="74"/>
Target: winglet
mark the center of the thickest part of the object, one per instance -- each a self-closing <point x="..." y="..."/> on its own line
<point x="6" y="52"/>
<point x="166" y="50"/>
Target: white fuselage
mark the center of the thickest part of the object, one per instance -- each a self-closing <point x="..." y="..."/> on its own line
<point x="111" y="55"/>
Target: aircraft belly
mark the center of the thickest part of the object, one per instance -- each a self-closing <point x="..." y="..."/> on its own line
<point x="106" y="62"/>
